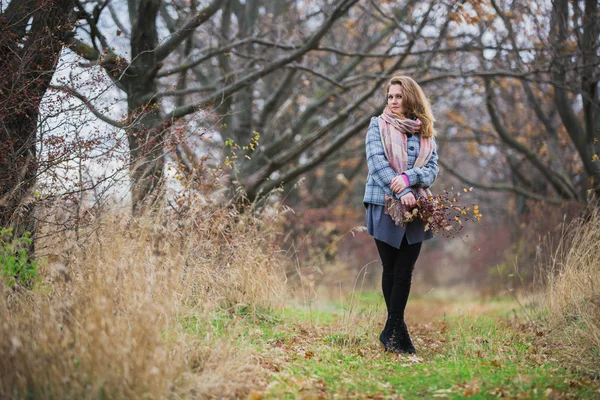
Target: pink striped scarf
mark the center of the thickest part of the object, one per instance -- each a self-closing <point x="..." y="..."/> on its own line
<point x="395" y="144"/>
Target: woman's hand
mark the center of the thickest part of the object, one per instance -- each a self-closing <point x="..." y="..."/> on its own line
<point x="409" y="200"/>
<point x="398" y="184"/>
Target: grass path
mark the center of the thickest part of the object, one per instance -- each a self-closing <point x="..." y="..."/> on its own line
<point x="465" y="349"/>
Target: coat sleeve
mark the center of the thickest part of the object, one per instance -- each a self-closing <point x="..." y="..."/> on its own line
<point x="379" y="166"/>
<point x="425" y="175"/>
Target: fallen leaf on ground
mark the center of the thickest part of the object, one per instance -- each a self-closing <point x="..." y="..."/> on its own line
<point x="414" y="358"/>
<point x="254" y="395"/>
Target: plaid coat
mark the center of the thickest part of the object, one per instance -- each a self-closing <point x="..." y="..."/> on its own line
<point x="381" y="173"/>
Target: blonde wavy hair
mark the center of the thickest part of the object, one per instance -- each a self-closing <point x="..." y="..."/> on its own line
<point x="415" y="103"/>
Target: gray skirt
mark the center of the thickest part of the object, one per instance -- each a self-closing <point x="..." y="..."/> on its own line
<point x="383" y="228"/>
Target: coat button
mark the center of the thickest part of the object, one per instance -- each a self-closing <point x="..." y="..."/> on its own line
<point x="411" y="148"/>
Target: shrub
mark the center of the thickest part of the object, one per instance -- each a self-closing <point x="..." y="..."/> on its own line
<point x="110" y="324"/>
<point x="571" y="306"/>
<point x="16" y="268"/>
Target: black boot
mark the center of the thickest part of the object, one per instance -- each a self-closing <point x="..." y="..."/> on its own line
<point x="405" y="342"/>
<point x="398" y="340"/>
<point x="383" y="336"/>
<point x="392" y="335"/>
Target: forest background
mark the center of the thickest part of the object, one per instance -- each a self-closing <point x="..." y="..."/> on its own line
<point x="193" y="137"/>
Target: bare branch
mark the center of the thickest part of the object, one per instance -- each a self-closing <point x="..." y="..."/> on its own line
<point x="258" y="177"/>
<point x="316" y="73"/>
<point x="118" y="22"/>
<point x="552" y="134"/>
<point x="319" y="156"/>
<point x="114" y="65"/>
<point x="500" y="187"/>
<point x="560" y="16"/>
<point x="83" y="50"/>
<point x="313" y="42"/>
<point x="88" y="104"/>
<point x="178" y="37"/>
<point x="272" y="101"/>
<point x="94" y="31"/>
<point x="544" y="169"/>
<point x="210" y="54"/>
<point x="16" y="15"/>
<point x="182" y="92"/>
<point x="444" y="138"/>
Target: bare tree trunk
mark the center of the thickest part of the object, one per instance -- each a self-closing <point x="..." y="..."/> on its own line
<point x="28" y="57"/>
<point x="589" y="85"/>
<point x="247" y="15"/>
<point x="146" y="139"/>
<point x="581" y="136"/>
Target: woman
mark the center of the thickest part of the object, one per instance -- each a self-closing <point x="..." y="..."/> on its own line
<point x="402" y="159"/>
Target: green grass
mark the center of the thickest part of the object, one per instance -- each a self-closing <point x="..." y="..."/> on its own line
<point x="335" y="353"/>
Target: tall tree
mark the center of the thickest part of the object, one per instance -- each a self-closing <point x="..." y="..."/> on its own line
<point x="540" y="91"/>
<point x="33" y="34"/>
<point x="144" y="76"/>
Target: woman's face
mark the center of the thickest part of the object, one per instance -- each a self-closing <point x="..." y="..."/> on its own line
<point x="394" y="99"/>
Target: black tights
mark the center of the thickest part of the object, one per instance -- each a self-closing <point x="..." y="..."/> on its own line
<point x="398" y="266"/>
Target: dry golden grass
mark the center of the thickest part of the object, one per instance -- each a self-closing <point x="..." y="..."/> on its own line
<point x="107" y="321"/>
<point x="572" y="295"/>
